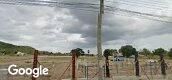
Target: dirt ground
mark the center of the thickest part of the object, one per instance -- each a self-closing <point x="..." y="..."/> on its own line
<point x="60" y="68"/>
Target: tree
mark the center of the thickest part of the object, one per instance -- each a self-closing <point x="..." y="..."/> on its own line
<point x="145" y="52"/>
<point x="79" y="52"/>
<point x="111" y="51"/>
<point x="88" y="51"/>
<point x="128" y="51"/>
<point x="170" y="53"/>
<point x="106" y="53"/>
<point x="159" y="51"/>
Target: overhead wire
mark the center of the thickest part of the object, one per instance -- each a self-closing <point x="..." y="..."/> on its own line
<point x="131" y="4"/>
<point x="142" y="3"/>
<point x="87" y="7"/>
<point x="52" y="5"/>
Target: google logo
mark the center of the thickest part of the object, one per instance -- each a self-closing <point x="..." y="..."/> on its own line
<point x="36" y="72"/>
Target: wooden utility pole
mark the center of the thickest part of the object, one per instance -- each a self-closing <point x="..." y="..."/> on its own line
<point x="35" y="61"/>
<point x="99" y="40"/>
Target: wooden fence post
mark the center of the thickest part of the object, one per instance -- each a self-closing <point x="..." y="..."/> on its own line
<point x="73" y="65"/>
<point x="107" y="67"/>
<point x="137" y="65"/>
<point x="35" y="61"/>
<point x="163" y="65"/>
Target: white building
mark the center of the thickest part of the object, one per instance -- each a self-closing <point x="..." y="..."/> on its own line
<point x="20" y="54"/>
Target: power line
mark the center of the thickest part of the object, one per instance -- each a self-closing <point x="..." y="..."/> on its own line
<point x="144" y="17"/>
<point x="86" y="7"/>
<point x="49" y="3"/>
<point x="138" y="5"/>
<point x="144" y="6"/>
<point x="142" y="3"/>
<point x="135" y="12"/>
<point x="55" y="2"/>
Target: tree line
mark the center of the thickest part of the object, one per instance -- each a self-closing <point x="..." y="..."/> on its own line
<point x="126" y="51"/>
<point x="129" y="50"/>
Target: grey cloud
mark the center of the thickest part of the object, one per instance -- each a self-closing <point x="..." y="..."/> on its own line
<point x="114" y="28"/>
<point x="21" y="20"/>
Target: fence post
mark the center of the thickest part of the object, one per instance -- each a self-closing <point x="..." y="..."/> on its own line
<point x="107" y="68"/>
<point x="163" y="65"/>
<point x="137" y="65"/>
<point x="87" y="72"/>
<point x="35" y="61"/>
<point x="73" y="65"/>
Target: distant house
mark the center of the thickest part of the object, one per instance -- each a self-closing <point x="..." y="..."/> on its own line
<point x="20" y="54"/>
<point x="151" y="62"/>
<point x="133" y="57"/>
<point x="119" y="57"/>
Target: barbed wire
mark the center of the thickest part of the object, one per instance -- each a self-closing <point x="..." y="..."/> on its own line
<point x="68" y="67"/>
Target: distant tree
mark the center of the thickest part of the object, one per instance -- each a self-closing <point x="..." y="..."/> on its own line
<point x="88" y="51"/>
<point x="145" y="52"/>
<point x="111" y="51"/>
<point x="170" y="53"/>
<point x="2" y="52"/>
<point x="79" y="52"/>
<point x="134" y="52"/>
<point x="119" y="51"/>
<point x="128" y="51"/>
<point x="58" y="54"/>
<point x="159" y="51"/>
<point x="106" y="53"/>
<point x="115" y="52"/>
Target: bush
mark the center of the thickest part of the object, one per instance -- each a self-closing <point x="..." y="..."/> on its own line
<point x="170" y="53"/>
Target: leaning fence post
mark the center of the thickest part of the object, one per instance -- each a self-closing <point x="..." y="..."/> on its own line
<point x="35" y="61"/>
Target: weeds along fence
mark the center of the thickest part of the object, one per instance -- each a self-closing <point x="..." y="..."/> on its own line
<point x="148" y="70"/>
<point x="126" y="71"/>
<point x="61" y="68"/>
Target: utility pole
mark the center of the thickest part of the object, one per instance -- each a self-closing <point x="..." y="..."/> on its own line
<point x="99" y="40"/>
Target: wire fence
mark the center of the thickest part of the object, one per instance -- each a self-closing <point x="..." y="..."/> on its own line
<point x="60" y="68"/>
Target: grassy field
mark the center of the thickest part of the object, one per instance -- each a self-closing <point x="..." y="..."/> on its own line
<point x="58" y="64"/>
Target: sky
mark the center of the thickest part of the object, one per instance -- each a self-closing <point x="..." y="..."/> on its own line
<point x="60" y="29"/>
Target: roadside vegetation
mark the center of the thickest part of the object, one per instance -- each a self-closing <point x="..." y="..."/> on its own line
<point x="126" y="51"/>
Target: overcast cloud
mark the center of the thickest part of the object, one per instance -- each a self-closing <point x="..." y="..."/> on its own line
<point x="62" y="29"/>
